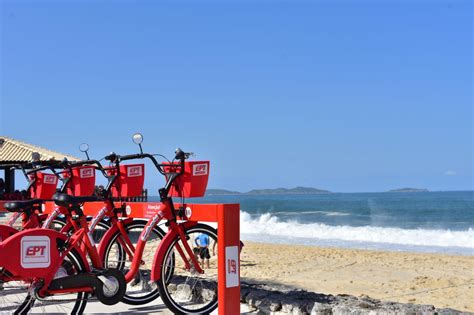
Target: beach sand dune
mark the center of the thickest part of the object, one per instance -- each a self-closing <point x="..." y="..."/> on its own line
<point x="441" y="280"/>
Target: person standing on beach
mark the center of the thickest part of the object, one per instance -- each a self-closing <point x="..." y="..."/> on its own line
<point x="202" y="242"/>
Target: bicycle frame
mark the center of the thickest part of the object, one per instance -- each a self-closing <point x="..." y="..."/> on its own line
<point x="87" y="245"/>
<point x="164" y="211"/>
<point x="117" y="225"/>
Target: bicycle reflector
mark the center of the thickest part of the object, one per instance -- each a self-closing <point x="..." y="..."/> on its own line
<point x="193" y="182"/>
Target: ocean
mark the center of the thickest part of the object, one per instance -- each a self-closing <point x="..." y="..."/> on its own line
<point x="439" y="222"/>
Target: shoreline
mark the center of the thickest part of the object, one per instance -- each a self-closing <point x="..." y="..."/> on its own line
<point x="370" y="246"/>
<point x="443" y="280"/>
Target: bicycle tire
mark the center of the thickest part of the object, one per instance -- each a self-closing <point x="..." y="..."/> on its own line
<point x="165" y="284"/>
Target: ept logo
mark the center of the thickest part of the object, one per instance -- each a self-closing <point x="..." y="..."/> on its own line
<point x="50" y="179"/>
<point x="134" y="171"/>
<point x="200" y="169"/>
<point x="86" y="172"/>
<point x="35" y="252"/>
<point x="232" y="266"/>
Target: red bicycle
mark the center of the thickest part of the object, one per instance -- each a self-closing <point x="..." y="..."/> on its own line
<point x="51" y="269"/>
<point x="174" y="271"/>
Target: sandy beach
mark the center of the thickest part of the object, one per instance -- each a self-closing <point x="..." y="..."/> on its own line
<point x="441" y="280"/>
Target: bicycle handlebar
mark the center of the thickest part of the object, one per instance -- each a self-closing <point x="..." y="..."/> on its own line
<point x="42" y="168"/>
<point x="158" y="166"/>
<point x="80" y="163"/>
<point x="180" y="155"/>
<point x="98" y="165"/>
<point x="134" y="156"/>
<point x="111" y="157"/>
<point x="32" y="166"/>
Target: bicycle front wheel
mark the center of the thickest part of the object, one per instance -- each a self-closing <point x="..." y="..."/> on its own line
<point x="185" y="291"/>
<point x="141" y="289"/>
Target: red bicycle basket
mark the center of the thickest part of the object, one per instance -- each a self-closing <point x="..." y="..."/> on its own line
<point x="82" y="182"/>
<point x="44" y="186"/>
<point x="193" y="182"/>
<point x="130" y="182"/>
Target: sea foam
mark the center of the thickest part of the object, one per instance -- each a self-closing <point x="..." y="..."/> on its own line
<point x="269" y="228"/>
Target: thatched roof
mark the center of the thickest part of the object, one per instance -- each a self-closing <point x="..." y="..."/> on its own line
<point x="13" y="152"/>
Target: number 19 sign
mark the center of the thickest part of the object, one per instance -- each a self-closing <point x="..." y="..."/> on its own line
<point x="232" y="266"/>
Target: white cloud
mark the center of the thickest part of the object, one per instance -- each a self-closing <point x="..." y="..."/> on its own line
<point x="450" y="173"/>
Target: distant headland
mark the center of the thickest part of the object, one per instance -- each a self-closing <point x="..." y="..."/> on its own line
<point x="409" y="190"/>
<point x="275" y="191"/>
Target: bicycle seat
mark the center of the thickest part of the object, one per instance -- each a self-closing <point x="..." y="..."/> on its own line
<point x="21" y="205"/>
<point x="66" y="200"/>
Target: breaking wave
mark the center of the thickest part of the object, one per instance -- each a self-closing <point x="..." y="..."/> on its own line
<point x="269" y="228"/>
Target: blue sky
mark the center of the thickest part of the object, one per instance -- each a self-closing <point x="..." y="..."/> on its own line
<point x="346" y="96"/>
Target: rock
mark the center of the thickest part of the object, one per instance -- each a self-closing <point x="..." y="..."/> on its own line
<point x="294" y="309"/>
<point x="364" y="304"/>
<point x="279" y="300"/>
<point x="448" y="311"/>
<point x="321" y="309"/>
<point x="343" y="310"/>
<point x="184" y="291"/>
<point x="208" y="295"/>
<point x="172" y="287"/>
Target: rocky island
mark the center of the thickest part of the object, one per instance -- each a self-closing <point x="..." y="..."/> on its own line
<point x="409" y="190"/>
<point x="221" y="192"/>
<point x="275" y="191"/>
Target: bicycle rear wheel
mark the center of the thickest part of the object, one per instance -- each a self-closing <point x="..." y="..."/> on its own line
<point x="187" y="291"/>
